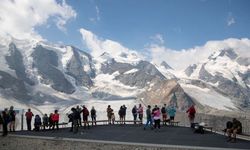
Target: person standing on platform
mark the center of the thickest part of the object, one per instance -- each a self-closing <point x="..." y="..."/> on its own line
<point x="164" y="114"/>
<point x="171" y="112"/>
<point x="79" y="119"/>
<point x="85" y="115"/>
<point x="134" y="112"/>
<point x="29" y="116"/>
<point x="149" y="118"/>
<point x="55" y="119"/>
<point x="45" y="121"/>
<point x="5" y="120"/>
<point x="12" y="115"/>
<point x="93" y="115"/>
<point x="157" y="118"/>
<point x="124" y="110"/>
<point x="140" y="112"/>
<point x="109" y="113"/>
<point x="191" y="115"/>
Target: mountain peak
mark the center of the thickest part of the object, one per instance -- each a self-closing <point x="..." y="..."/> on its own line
<point x="166" y="65"/>
<point x="230" y="53"/>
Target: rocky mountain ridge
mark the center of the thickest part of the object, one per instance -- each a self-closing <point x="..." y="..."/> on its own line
<point x="42" y="74"/>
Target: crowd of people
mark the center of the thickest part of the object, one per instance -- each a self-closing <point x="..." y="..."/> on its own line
<point x="154" y="116"/>
<point x="7" y="119"/>
<point x="79" y="117"/>
<point x="46" y="121"/>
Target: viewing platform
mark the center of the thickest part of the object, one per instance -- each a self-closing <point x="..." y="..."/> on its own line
<point x="120" y="137"/>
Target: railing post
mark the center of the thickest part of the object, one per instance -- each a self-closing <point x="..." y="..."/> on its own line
<point x="22" y="120"/>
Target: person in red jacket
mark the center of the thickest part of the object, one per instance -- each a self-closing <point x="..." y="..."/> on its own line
<point x="85" y="115"/>
<point x="55" y="119"/>
<point x="191" y="114"/>
<point x="29" y="116"/>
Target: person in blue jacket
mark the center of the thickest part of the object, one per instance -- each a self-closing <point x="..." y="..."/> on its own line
<point x="171" y="113"/>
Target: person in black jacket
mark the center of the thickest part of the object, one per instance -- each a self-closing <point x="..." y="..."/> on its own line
<point x="37" y="123"/>
<point x="12" y="115"/>
<point x="93" y="115"/>
<point x="5" y="120"/>
<point x="74" y="119"/>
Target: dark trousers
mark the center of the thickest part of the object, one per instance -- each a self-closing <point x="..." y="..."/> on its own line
<point x="93" y="119"/>
<point x="5" y="129"/>
<point x="79" y="121"/>
<point x="157" y="124"/>
<point x="140" y="117"/>
<point x="135" y="117"/>
<point x="28" y="124"/>
<point x="74" y="126"/>
<point x="37" y="127"/>
<point x="55" y="123"/>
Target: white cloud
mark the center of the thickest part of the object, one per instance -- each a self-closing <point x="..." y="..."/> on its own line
<point x="98" y="46"/>
<point x="185" y="57"/>
<point x="97" y="18"/>
<point x="19" y="18"/>
<point x="158" y="38"/>
<point x="97" y="13"/>
<point x="230" y="19"/>
<point x="178" y="59"/>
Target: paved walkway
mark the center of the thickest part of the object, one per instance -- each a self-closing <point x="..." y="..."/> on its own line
<point x="135" y="134"/>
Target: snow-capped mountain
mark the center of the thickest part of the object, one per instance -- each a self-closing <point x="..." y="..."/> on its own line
<point x="166" y="70"/>
<point x="222" y="81"/>
<point x="37" y="73"/>
<point x="50" y="76"/>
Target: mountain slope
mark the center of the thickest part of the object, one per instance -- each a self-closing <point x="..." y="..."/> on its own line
<point x="225" y="74"/>
<point x="57" y="76"/>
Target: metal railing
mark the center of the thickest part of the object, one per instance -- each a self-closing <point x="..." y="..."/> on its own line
<point x="217" y="122"/>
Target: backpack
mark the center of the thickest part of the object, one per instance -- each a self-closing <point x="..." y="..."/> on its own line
<point x="163" y="110"/>
<point x="199" y="129"/>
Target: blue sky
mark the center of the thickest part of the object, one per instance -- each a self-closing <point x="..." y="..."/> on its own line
<point x="181" y="23"/>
